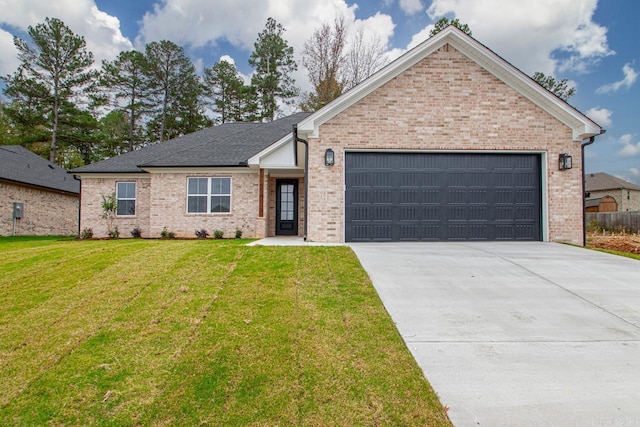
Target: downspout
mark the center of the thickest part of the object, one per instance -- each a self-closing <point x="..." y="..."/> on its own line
<point x="584" y="198"/>
<point x="306" y="178"/>
<point x="79" y="203"/>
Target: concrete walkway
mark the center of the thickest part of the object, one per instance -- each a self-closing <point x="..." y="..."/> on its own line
<point x="289" y="241"/>
<point x="517" y="334"/>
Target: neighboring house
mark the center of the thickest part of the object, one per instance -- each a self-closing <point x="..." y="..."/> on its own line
<point x="44" y="196"/>
<point x="448" y="142"/>
<point x="601" y="204"/>
<point x="626" y="194"/>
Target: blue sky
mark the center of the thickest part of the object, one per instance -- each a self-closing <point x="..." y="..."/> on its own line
<point x="593" y="43"/>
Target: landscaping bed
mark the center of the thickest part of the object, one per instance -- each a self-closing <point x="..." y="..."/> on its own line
<point x="615" y="242"/>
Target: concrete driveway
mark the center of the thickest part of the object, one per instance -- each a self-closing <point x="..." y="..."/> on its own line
<point x="517" y="334"/>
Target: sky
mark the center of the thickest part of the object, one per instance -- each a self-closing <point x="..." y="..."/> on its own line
<point x="592" y="43"/>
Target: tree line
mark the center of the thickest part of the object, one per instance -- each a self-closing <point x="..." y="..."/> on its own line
<point x="62" y="108"/>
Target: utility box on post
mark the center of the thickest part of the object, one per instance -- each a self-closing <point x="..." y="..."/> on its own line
<point x="18" y="210"/>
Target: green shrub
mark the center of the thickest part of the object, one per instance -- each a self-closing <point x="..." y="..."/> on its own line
<point x="202" y="233"/>
<point x="87" y="233"/>
<point x="114" y="233"/>
<point x="238" y="233"/>
<point x="166" y="234"/>
<point x="217" y="234"/>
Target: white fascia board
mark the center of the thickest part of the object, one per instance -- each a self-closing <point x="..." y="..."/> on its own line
<point x="582" y="127"/>
<point x="255" y="160"/>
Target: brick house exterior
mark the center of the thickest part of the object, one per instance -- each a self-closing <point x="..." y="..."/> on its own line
<point x="49" y="196"/>
<point x="448" y="96"/>
<point x="626" y="194"/>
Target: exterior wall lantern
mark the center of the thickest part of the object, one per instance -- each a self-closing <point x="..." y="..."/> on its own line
<point x="565" y="162"/>
<point x="329" y="157"/>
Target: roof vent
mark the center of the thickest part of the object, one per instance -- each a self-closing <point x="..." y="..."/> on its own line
<point x="51" y="167"/>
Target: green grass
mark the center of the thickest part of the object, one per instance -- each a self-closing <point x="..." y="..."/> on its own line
<point x="153" y="332"/>
<point x="620" y="253"/>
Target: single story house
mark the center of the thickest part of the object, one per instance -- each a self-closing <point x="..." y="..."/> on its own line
<point x="37" y="197"/>
<point x="447" y="142"/>
<point x="626" y="194"/>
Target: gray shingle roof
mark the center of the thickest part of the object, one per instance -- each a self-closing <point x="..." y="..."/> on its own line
<point x="229" y="144"/>
<point x="603" y="181"/>
<point x="20" y="165"/>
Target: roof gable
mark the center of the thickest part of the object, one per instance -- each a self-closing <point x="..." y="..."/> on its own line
<point x="603" y="181"/>
<point x="582" y="127"/>
<point x="20" y="165"/>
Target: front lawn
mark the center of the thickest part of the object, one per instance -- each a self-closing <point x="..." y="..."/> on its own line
<point x="153" y="332"/>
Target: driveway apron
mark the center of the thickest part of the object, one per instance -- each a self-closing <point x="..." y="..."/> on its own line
<point x="517" y="334"/>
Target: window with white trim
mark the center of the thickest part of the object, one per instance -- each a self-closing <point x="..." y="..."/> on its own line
<point x="208" y="195"/>
<point x="126" y="198"/>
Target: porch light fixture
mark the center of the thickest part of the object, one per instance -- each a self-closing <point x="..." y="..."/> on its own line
<point x="329" y="157"/>
<point x="565" y="162"/>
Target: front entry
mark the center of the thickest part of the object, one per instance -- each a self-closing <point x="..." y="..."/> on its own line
<point x="286" y="207"/>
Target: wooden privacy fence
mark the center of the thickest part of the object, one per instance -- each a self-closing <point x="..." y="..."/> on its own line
<point x="614" y="221"/>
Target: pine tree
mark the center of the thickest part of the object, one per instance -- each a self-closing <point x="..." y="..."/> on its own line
<point x="54" y="72"/>
<point x="273" y="62"/>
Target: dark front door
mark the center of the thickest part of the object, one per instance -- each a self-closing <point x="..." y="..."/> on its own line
<point x="287" y="207"/>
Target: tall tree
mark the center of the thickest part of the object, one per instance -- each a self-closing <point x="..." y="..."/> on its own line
<point x="54" y="70"/>
<point x="113" y="134"/>
<point x="125" y="78"/>
<point x="273" y="62"/>
<point x="560" y="88"/>
<point x="443" y="23"/>
<point x="324" y="59"/>
<point x="223" y="86"/>
<point x="366" y="56"/>
<point x="187" y="112"/>
<point x="169" y="72"/>
<point x="8" y="129"/>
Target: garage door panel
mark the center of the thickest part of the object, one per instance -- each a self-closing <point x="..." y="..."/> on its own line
<point x="452" y="196"/>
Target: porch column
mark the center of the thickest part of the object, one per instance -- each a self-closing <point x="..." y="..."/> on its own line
<point x="261" y="221"/>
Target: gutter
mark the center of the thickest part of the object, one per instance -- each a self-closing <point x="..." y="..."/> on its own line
<point x="306" y="177"/>
<point x="79" y="203"/>
<point x="584" y="199"/>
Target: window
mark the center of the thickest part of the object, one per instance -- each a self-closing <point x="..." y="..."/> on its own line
<point x="208" y="195"/>
<point x="126" y="197"/>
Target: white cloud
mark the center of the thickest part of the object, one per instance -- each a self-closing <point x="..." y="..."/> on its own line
<point x="8" y="54"/>
<point x="227" y="58"/>
<point x="626" y="138"/>
<point x="420" y="37"/>
<point x="634" y="171"/>
<point x="535" y="33"/>
<point x="200" y="23"/>
<point x="629" y="148"/>
<point x="100" y="30"/>
<point x="602" y="116"/>
<point x="630" y="76"/>
<point x="411" y="7"/>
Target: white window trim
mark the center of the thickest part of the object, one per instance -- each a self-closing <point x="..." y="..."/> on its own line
<point x="209" y="195"/>
<point x="135" y="198"/>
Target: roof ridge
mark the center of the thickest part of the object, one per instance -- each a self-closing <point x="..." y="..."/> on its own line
<point x="196" y="144"/>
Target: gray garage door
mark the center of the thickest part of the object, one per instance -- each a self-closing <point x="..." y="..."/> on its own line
<point x="439" y="197"/>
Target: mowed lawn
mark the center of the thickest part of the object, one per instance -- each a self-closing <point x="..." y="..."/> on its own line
<point x="191" y="332"/>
